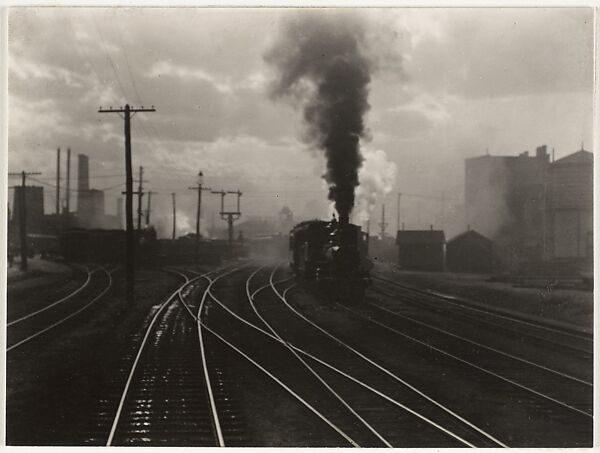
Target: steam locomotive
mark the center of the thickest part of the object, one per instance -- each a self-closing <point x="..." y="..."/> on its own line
<point x="332" y="257"/>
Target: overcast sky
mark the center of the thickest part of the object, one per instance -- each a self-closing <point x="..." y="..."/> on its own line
<point x="450" y="84"/>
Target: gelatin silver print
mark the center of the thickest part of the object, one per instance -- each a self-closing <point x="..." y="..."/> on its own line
<point x="299" y="227"/>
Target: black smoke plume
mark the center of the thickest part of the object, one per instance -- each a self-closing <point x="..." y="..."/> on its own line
<point x="321" y="66"/>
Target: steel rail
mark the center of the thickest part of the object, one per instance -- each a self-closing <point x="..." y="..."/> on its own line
<point x="480" y="345"/>
<point x="389" y="373"/>
<point x="213" y="406"/>
<point x="306" y="365"/>
<point x="284" y="386"/>
<point x="257" y="365"/>
<point x="463" y="305"/>
<point x="59" y="322"/>
<point x="466" y="362"/>
<point x="117" y="417"/>
<point x="490" y="322"/>
<point x="53" y="304"/>
<point x="307" y="354"/>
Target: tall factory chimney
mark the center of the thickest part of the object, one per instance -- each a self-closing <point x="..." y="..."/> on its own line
<point x="58" y="181"/>
<point x="83" y="182"/>
<point x="68" y="203"/>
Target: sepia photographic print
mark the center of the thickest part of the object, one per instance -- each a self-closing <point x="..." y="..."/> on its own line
<point x="299" y="227"/>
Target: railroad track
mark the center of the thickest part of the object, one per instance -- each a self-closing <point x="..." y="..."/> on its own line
<point x="568" y="339"/>
<point x="549" y="354"/>
<point x="367" y="416"/>
<point x="167" y="399"/>
<point x="26" y="328"/>
<point x="572" y="406"/>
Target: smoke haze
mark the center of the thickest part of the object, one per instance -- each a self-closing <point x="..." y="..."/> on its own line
<point x="377" y="177"/>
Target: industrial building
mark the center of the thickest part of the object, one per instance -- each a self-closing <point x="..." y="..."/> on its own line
<point x="421" y="250"/>
<point x="470" y="252"/>
<point x="536" y="211"/>
<point x="505" y="200"/>
<point x="569" y="215"/>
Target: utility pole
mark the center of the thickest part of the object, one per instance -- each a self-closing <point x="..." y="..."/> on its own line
<point x="229" y="216"/>
<point x="67" y="206"/>
<point x="398" y="212"/>
<point x="130" y="245"/>
<point x="174" y="215"/>
<point x="383" y="223"/>
<point x="23" y="216"/>
<point x="199" y="188"/>
<point x="58" y="181"/>
<point x="148" y="208"/>
<point x="140" y="194"/>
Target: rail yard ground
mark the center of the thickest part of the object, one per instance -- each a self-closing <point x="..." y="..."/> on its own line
<point x="285" y="368"/>
<point x="545" y="301"/>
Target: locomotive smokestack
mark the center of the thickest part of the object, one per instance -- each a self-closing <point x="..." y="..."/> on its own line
<point x="320" y="65"/>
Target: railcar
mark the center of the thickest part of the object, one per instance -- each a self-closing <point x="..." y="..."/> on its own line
<point x="105" y="246"/>
<point x="332" y="257"/>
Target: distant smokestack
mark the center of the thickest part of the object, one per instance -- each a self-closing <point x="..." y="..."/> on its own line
<point x="83" y="183"/>
<point x="68" y="204"/>
<point x="58" y="181"/>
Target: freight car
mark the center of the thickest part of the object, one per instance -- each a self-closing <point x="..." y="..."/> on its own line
<point x="331" y="256"/>
<point x="105" y="246"/>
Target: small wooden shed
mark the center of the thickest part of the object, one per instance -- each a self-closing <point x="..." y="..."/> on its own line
<point x="421" y="250"/>
<point x="470" y="252"/>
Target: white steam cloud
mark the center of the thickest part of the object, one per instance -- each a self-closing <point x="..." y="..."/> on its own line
<point x="377" y="177"/>
<point x="185" y="225"/>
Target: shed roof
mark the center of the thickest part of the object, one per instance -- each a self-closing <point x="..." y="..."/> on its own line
<point x="469" y="234"/>
<point x="579" y="157"/>
<point x="420" y="237"/>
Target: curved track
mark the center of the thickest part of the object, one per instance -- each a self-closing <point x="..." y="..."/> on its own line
<point x="362" y="395"/>
<point x="30" y="327"/>
<point x="72" y="294"/>
<point x="545" y="333"/>
<point x="567" y="398"/>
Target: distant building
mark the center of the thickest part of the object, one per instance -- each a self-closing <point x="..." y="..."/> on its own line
<point x="505" y="200"/>
<point x="421" y="250"/>
<point x="470" y="252"/>
<point x="569" y="216"/>
<point x="90" y="202"/>
<point x="91" y="208"/>
<point x="256" y="226"/>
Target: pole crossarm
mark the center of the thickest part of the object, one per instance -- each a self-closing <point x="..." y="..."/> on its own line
<point x="27" y="173"/>
<point x="229" y="216"/>
<point x="122" y="110"/>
